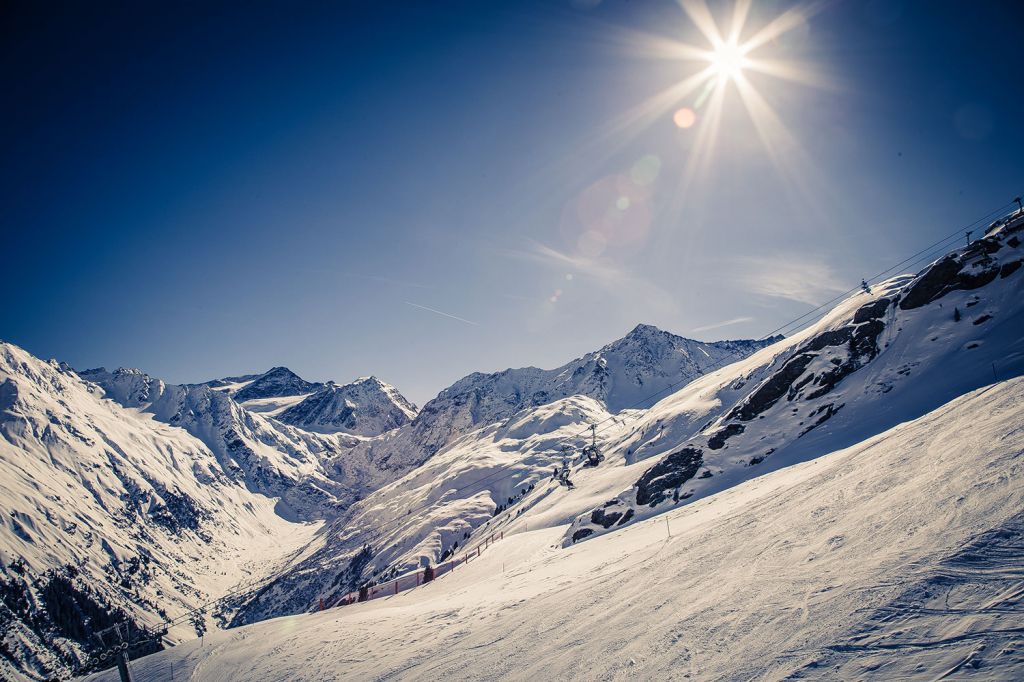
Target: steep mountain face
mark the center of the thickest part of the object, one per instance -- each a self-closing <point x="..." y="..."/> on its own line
<point x="275" y="383"/>
<point x="111" y="516"/>
<point x="877" y="359"/>
<point x="365" y="407"/>
<point x="270" y="458"/>
<point x="622" y="374"/>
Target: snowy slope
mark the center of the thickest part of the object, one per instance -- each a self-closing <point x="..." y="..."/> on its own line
<point x="130" y="512"/>
<point x="124" y="492"/>
<point x="365" y="407"/>
<point x="875" y="360"/>
<point x="897" y="558"/>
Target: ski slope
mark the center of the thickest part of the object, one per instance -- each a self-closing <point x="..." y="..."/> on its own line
<point x="901" y="557"/>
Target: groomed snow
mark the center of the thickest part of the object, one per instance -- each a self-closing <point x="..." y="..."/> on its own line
<point x="897" y="558"/>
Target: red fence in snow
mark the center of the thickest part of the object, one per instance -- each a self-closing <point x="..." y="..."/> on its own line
<point x="409" y="580"/>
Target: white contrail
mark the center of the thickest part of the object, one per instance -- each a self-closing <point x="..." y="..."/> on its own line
<point x="441" y="312"/>
<point x="719" y="325"/>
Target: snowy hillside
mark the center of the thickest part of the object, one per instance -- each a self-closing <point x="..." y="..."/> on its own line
<point x="403" y="490"/>
<point x="897" y="558"/>
<point x="452" y="495"/>
<point x="105" y="508"/>
<point x="877" y="359"/>
<point x="514" y="422"/>
<point x="126" y="494"/>
<point x="365" y="407"/>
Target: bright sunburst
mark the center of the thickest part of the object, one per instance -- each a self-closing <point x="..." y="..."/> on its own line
<point x="728" y="60"/>
<point x="730" y="56"/>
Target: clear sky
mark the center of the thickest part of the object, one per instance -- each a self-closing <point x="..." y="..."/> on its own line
<point x="420" y="190"/>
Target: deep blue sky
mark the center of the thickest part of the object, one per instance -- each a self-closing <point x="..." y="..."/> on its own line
<point x="203" y="189"/>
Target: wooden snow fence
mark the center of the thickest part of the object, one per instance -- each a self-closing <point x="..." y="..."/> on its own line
<point x="407" y="581"/>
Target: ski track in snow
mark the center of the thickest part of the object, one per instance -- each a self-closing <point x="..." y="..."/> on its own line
<point x="897" y="558"/>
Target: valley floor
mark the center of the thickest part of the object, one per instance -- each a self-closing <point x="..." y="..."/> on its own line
<point x="899" y="558"/>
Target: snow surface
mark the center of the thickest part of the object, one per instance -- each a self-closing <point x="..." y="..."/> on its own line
<point x="874" y="361"/>
<point x="896" y="558"/>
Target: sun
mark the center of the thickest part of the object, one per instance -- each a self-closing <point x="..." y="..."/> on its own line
<point x="728" y="60"/>
<point x="733" y="63"/>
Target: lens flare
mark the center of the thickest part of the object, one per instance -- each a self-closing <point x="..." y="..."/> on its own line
<point x="685" y="117"/>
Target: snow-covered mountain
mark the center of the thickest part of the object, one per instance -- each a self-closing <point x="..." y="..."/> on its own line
<point x="127" y="498"/>
<point x="874" y="361"/>
<point x="109" y="514"/>
<point x="646" y="362"/>
<point x="366" y="407"/>
<point x="300" y="468"/>
<point x="484" y="424"/>
<point x="479" y="457"/>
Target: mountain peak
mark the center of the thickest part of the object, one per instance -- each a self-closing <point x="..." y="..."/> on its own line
<point x="643" y="332"/>
<point x="365" y="407"/>
<point x="276" y="382"/>
<point x="279" y="371"/>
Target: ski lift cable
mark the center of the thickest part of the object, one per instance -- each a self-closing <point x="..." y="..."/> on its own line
<point x="472" y="486"/>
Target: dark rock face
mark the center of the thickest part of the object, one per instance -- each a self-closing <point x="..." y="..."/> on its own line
<point x="971" y="269"/>
<point x="667" y="475"/>
<point x="823" y="414"/>
<point x="179" y="512"/>
<point x="863" y="346"/>
<point x="1009" y="268"/>
<point x="862" y="341"/>
<point x="717" y="441"/>
<point x="982" y="319"/>
<point x="582" y="533"/>
<point x="777" y="386"/>
<point x="871" y="311"/>
<point x="605" y="519"/>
